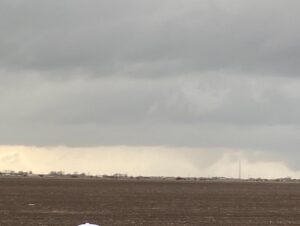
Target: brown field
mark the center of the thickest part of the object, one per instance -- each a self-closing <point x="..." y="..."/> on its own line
<point x="41" y="201"/>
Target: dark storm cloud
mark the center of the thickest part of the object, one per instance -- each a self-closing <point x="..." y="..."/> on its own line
<point x="150" y="38"/>
<point x="215" y="73"/>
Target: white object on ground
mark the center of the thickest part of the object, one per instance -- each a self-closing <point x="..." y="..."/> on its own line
<point x="87" y="224"/>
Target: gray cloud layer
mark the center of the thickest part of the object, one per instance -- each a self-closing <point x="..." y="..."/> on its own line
<point x="150" y="38"/>
<point x="178" y="73"/>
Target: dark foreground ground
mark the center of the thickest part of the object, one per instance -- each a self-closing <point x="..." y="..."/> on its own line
<point x="41" y="201"/>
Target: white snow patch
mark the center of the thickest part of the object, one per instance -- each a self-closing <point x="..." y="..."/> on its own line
<point x="87" y="224"/>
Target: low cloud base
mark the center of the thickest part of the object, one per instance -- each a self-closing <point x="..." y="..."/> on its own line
<point x="146" y="161"/>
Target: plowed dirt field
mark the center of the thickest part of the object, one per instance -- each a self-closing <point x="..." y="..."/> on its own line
<point x="49" y="201"/>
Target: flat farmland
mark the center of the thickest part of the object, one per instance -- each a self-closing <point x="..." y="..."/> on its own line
<point x="50" y="201"/>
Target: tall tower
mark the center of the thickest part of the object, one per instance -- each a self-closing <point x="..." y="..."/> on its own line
<point x="240" y="170"/>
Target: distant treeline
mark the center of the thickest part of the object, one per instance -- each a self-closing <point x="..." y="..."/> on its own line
<point x="11" y="173"/>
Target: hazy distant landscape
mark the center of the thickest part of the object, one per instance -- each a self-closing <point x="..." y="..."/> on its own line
<point x="120" y="176"/>
<point x="149" y="112"/>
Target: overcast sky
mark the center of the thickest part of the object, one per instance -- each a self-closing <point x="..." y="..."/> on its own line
<point x="196" y="74"/>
